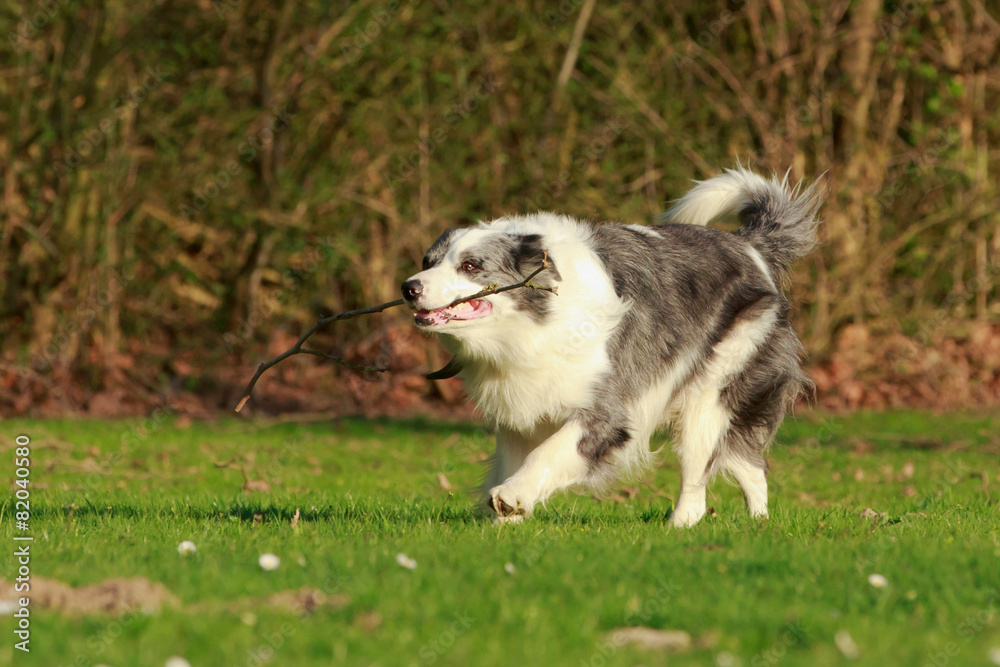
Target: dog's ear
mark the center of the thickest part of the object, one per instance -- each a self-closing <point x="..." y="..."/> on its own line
<point x="451" y="369"/>
<point x="438" y="250"/>
<point x="529" y="254"/>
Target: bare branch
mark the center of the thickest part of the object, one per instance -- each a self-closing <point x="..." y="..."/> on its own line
<point x="298" y="349"/>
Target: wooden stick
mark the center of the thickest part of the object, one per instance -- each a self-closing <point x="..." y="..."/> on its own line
<point x="298" y="349"/>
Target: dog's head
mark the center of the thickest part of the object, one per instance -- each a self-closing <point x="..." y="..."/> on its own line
<point x="463" y="262"/>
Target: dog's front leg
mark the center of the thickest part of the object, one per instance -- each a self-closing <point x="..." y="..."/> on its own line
<point x="553" y="465"/>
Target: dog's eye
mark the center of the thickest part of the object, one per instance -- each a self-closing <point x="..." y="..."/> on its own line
<point x="469" y="267"/>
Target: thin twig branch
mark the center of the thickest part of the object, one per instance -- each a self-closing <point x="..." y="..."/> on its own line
<point x="493" y="289"/>
<point x="569" y="62"/>
<point x="298" y="349"/>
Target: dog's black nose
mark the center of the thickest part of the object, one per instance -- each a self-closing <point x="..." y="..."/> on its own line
<point x="412" y="289"/>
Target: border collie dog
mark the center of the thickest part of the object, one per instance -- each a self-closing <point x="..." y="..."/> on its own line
<point x="676" y="326"/>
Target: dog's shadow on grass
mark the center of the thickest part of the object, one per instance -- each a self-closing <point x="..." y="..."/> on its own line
<point x="406" y="425"/>
<point x="368" y="514"/>
<point x="385" y="515"/>
<point x="365" y="514"/>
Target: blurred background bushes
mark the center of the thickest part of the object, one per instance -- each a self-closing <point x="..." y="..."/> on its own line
<point x="186" y="184"/>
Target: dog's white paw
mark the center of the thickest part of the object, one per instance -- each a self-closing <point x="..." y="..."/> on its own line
<point x="686" y="516"/>
<point x="510" y="503"/>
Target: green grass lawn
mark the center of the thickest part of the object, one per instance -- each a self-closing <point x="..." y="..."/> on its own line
<point x="114" y="499"/>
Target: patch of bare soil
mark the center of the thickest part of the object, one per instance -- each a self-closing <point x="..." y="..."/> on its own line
<point x="112" y="596"/>
<point x="120" y="595"/>
<point x="301" y="602"/>
<point x="306" y="600"/>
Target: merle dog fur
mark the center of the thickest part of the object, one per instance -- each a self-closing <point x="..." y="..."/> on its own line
<point x="687" y="288"/>
<point x="689" y="285"/>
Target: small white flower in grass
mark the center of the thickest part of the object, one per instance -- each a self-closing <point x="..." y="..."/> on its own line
<point x="269" y="562"/>
<point x="725" y="659"/>
<point x="509" y="568"/>
<point x="877" y="580"/>
<point x="406" y="561"/>
<point x="846" y="644"/>
<point x="177" y="661"/>
<point x="995" y="655"/>
<point x="186" y="547"/>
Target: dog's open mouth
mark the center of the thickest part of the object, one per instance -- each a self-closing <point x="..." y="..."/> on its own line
<point x="467" y="310"/>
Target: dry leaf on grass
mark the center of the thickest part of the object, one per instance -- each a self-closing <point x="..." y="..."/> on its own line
<point x="369" y="621"/>
<point x="652" y="638"/>
<point x="443" y="481"/>
<point x="846" y="645"/>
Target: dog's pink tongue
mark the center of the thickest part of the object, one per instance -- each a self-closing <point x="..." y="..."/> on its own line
<point x="476" y="309"/>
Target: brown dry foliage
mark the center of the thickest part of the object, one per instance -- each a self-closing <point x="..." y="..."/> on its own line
<point x="188" y="184"/>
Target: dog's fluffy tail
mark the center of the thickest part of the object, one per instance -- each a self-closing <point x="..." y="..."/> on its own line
<point x="778" y="219"/>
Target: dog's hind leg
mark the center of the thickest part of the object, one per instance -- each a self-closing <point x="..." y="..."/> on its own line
<point x="752" y="478"/>
<point x="758" y="398"/>
<point x="702" y="423"/>
<point x="707" y="409"/>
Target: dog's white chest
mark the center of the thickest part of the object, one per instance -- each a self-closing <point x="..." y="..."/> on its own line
<point x="521" y="397"/>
